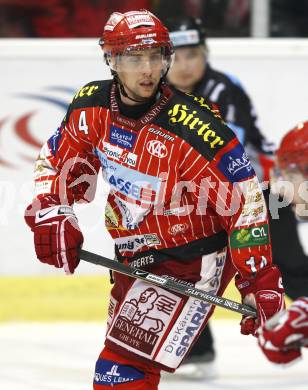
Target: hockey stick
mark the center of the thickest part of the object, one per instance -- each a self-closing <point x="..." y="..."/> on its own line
<point x="167" y="283"/>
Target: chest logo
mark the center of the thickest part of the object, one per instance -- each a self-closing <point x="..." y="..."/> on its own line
<point x="157" y="148"/>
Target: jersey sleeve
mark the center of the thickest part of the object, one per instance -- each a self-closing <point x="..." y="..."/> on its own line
<point x="226" y="182"/>
<point x="66" y="166"/>
<point x="238" y="199"/>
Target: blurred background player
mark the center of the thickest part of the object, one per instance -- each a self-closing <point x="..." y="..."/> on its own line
<point x="192" y="73"/>
<point x="280" y="338"/>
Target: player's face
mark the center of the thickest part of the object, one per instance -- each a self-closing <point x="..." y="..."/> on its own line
<point x="140" y="72"/>
<point x="188" y="68"/>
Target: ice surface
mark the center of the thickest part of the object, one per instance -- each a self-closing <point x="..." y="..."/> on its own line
<point x="62" y="357"/>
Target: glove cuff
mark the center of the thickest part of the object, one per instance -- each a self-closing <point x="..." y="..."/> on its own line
<point x="52" y="212"/>
<point x="268" y="278"/>
<point x="38" y="204"/>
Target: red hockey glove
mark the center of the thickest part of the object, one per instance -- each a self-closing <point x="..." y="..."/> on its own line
<point x="265" y="292"/>
<point x="281" y="337"/>
<point x="57" y="237"/>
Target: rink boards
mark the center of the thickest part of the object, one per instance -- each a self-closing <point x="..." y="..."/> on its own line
<point x="66" y="298"/>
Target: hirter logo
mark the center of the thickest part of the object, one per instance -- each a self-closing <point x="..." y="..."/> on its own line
<point x="157" y="148"/>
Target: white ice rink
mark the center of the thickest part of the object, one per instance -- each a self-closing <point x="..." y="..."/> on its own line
<point x="62" y="357"/>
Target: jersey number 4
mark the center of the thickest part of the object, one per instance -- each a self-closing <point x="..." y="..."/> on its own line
<point x="83" y="122"/>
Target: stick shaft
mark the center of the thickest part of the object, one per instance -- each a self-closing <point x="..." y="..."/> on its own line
<point x="168" y="284"/>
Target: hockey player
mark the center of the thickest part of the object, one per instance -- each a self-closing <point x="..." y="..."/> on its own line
<point x="192" y="73"/>
<point x="281" y="337"/>
<point x="184" y="201"/>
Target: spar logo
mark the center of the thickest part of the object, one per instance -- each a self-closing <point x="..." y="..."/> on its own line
<point x="157" y="148"/>
<point x="21" y="132"/>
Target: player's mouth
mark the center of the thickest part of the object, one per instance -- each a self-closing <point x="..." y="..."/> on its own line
<point x="147" y="84"/>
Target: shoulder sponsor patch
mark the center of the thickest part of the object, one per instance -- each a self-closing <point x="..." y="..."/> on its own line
<point x="235" y="165"/>
<point x="54" y="140"/>
<point x="253" y="236"/>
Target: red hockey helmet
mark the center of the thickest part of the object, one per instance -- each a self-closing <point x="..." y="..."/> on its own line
<point x="293" y="149"/>
<point x="135" y="30"/>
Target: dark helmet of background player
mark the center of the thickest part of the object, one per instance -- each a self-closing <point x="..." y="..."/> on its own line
<point x="186" y="31"/>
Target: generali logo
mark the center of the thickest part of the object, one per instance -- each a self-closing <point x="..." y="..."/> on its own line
<point x="143" y="319"/>
<point x="157" y="148"/>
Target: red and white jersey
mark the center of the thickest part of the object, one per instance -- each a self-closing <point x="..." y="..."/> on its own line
<point x="181" y="184"/>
